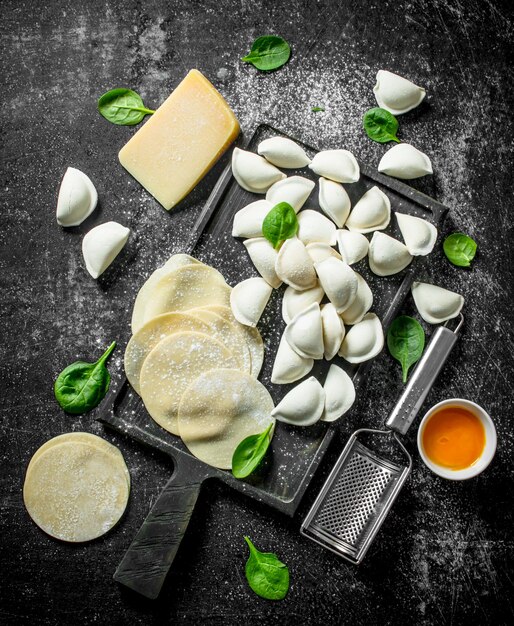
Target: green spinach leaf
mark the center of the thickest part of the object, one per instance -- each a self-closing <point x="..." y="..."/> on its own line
<point x="268" y="53"/>
<point x="266" y="575"/>
<point x="380" y="125"/>
<point x="460" y="249"/>
<point x="280" y="224"/>
<point x="249" y="453"/>
<point x="123" y="107"/>
<point x="317" y="109"/>
<point x="406" y="340"/>
<point x="81" y="386"/>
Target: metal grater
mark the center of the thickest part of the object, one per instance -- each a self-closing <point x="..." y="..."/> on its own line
<point x="363" y="485"/>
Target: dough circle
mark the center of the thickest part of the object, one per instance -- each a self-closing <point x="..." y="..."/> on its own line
<point x="218" y="410"/>
<point x="75" y="491"/>
<point x="171" y="366"/>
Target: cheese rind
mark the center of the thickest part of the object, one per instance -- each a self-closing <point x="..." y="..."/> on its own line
<point x="181" y="141"/>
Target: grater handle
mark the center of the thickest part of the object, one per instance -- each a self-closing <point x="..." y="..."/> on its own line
<point x="423" y="378"/>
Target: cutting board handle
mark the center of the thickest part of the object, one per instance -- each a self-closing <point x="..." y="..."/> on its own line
<point x="150" y="555"/>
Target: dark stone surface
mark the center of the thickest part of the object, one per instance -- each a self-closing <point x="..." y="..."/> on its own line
<point x="445" y="554"/>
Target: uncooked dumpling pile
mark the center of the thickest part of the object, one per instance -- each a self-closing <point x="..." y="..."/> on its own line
<point x="193" y="364"/>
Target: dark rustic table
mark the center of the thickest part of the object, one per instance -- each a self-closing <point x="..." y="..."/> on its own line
<point x="444" y="555"/>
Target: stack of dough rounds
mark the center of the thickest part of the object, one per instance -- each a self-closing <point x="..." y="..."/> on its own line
<point x="76" y="487"/>
<point x="184" y="329"/>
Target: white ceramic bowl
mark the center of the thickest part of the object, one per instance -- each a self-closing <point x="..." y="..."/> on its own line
<point x="489" y="448"/>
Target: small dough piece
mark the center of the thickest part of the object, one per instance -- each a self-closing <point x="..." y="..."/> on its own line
<point x="361" y="305"/>
<point x="372" y="212"/>
<point x="319" y="251"/>
<point x="294" y="265"/>
<point x="294" y="190"/>
<point x="418" y="234"/>
<point x="102" y="244"/>
<point x="339" y="394"/>
<point x="303" y="405"/>
<point x="249" y="299"/>
<point x="363" y="341"/>
<point x="397" y="94"/>
<point x="337" y="165"/>
<point x="406" y="162"/>
<point x="75" y="491"/>
<point x="171" y="366"/>
<point x="353" y="246"/>
<point x="77" y="198"/>
<point x="313" y="227"/>
<point x="436" y="304"/>
<point x="338" y="281"/>
<point x="218" y="410"/>
<point x="248" y="220"/>
<point x="295" y="301"/>
<point x="253" y="172"/>
<point x="264" y="257"/>
<point x="289" y="366"/>
<point x="283" y="152"/>
<point x="333" y="330"/>
<point x="386" y="255"/>
<point x="334" y="201"/>
<point x="304" y="333"/>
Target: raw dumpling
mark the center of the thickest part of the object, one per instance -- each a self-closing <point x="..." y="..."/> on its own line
<point x="295" y="301"/>
<point x="313" y="227"/>
<point x="339" y="394"/>
<point x="334" y="201"/>
<point x="77" y="198"/>
<point x="305" y="333"/>
<point x="248" y="300"/>
<point x="387" y="255"/>
<point x="372" y="212"/>
<point x="361" y="305"/>
<point x="397" y="94"/>
<point x="319" y="251"/>
<point x="248" y="220"/>
<point x="283" y="152"/>
<point x="406" y="162"/>
<point x="102" y="244"/>
<point x="363" y="341"/>
<point x="435" y="304"/>
<point x="333" y="330"/>
<point x="253" y="172"/>
<point x="419" y="235"/>
<point x="294" y="190"/>
<point x="338" y="281"/>
<point x="289" y="366"/>
<point x="294" y="266"/>
<point x="303" y="405"/>
<point x="337" y="165"/>
<point x="263" y="256"/>
<point x="353" y="246"/>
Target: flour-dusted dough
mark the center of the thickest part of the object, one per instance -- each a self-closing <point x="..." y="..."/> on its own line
<point x="76" y="491"/>
<point x="171" y="366"/>
<point x="149" y="335"/>
<point x="185" y="288"/>
<point x="218" y="410"/>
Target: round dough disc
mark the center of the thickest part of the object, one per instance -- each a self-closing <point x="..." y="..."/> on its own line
<point x="75" y="491"/>
<point x="218" y="410"/>
<point x="171" y="366"/>
<point x="149" y="335"/>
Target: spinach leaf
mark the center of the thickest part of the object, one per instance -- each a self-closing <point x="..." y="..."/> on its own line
<point x="123" y="107"/>
<point x="249" y="453"/>
<point x="380" y="125"/>
<point x="317" y="109"/>
<point x="460" y="249"/>
<point x="279" y="224"/>
<point x="266" y="575"/>
<point x="268" y="53"/>
<point x="406" y="340"/>
<point x="81" y="386"/>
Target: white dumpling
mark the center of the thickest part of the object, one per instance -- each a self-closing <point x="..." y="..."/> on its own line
<point x="436" y="304"/>
<point x="283" y="152"/>
<point x="303" y="405"/>
<point x="289" y="366"/>
<point x="353" y="246"/>
<point x="397" y="94"/>
<point x="363" y="341"/>
<point x="248" y="220"/>
<point x="419" y="235"/>
<point x="248" y="299"/>
<point x="387" y="255"/>
<point x="339" y="282"/>
<point x="294" y="190"/>
<point x="294" y="265"/>
<point x="334" y="201"/>
<point x="337" y="165"/>
<point x="333" y="330"/>
<point x="313" y="227"/>
<point x="77" y="198"/>
<point x="304" y="333"/>
<point x="361" y="305"/>
<point x="263" y="256"/>
<point x="295" y="301"/>
<point x="102" y="244"/>
<point x="253" y="172"/>
<point x="319" y="251"/>
<point x="339" y="394"/>
<point x="406" y="162"/>
<point x="372" y="212"/>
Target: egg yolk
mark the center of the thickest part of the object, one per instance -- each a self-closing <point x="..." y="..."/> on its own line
<point x="454" y="438"/>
